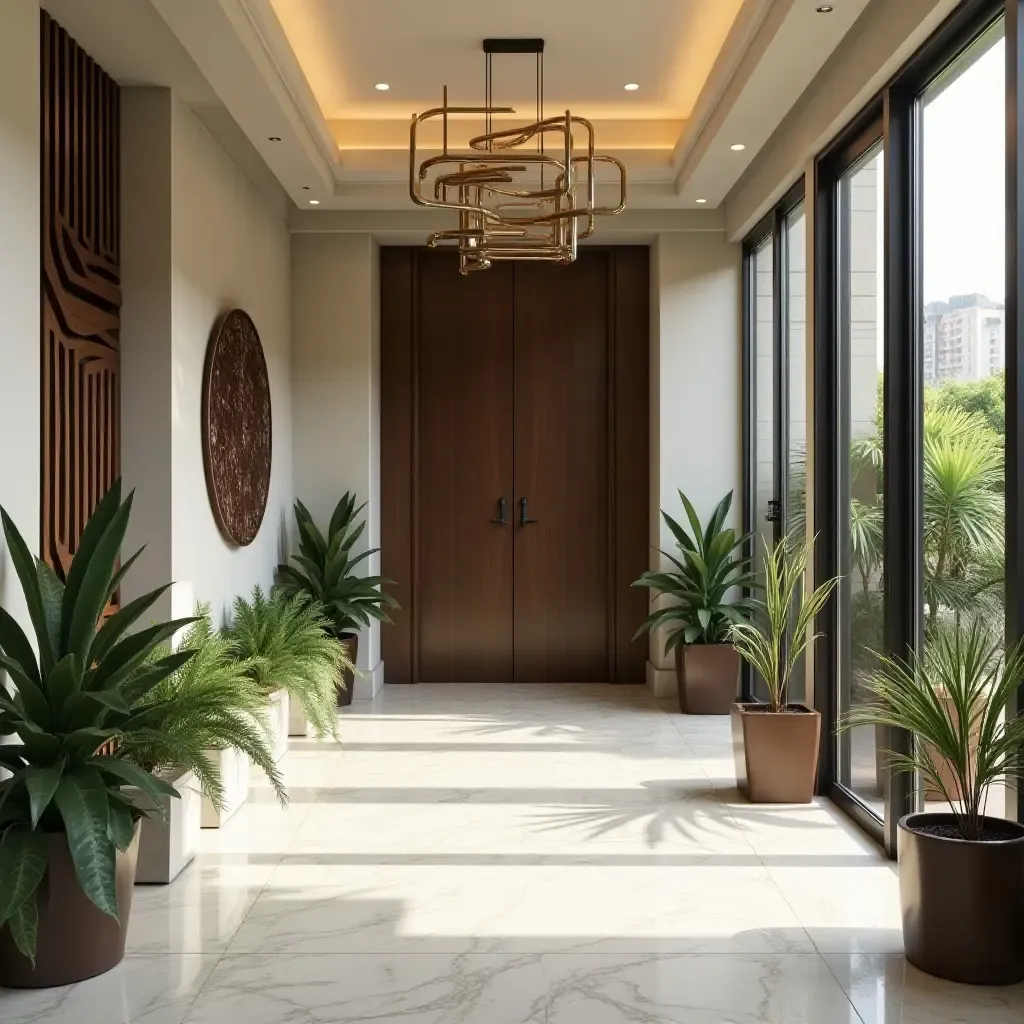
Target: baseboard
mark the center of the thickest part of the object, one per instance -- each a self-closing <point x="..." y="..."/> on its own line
<point x="661" y="681"/>
<point x="369" y="683"/>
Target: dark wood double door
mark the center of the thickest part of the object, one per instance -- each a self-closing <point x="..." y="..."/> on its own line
<point x="514" y="467"/>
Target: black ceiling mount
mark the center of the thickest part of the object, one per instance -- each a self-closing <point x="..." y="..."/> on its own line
<point x="513" y="46"/>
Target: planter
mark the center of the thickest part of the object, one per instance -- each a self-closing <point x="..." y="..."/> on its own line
<point x="962" y="902"/>
<point x="709" y="678"/>
<point x="278" y="719"/>
<point x="75" y="940"/>
<point x="776" y="754"/>
<point x="234" y="775"/>
<point x="167" y="845"/>
<point x="298" y="724"/>
<point x="350" y="641"/>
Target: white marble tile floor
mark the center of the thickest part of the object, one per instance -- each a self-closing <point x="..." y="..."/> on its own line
<point x="520" y="855"/>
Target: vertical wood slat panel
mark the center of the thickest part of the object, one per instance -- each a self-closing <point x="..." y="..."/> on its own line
<point x="81" y="290"/>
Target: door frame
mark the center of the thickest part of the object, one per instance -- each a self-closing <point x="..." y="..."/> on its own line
<point x="628" y="390"/>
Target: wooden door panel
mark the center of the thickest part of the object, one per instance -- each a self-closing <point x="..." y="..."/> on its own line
<point x="464" y="574"/>
<point x="562" y="562"/>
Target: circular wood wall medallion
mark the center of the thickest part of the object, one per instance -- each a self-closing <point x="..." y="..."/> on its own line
<point x="237" y="427"/>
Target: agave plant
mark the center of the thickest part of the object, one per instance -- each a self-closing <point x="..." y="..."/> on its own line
<point x="285" y="641"/>
<point x="765" y="648"/>
<point x="210" y="702"/>
<point x="327" y="567"/>
<point x="76" y="699"/>
<point x="951" y="698"/>
<point x="710" y="567"/>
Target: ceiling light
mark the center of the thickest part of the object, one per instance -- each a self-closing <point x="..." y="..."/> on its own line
<point x="382" y="87"/>
<point x="305" y="188"/>
<point x="824" y="9"/>
<point x="631" y="86"/>
<point x="737" y="147"/>
<point x="314" y="202"/>
<point x="702" y="201"/>
<point x="273" y="138"/>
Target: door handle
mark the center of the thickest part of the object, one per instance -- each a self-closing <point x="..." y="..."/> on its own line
<point x="524" y="519"/>
<point x="502" y="519"/>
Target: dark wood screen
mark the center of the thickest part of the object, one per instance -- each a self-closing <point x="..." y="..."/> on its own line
<point x="81" y="290"/>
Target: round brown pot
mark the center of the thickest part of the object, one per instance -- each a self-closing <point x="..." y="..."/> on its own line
<point x="962" y="902"/>
<point x="76" y="940"/>
<point x="708" y="676"/>
<point x="350" y="641"/>
<point x="776" y="754"/>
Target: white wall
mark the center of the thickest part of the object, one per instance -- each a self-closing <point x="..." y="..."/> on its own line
<point x="696" y="348"/>
<point x="336" y="390"/>
<point x="19" y="283"/>
<point x="227" y="248"/>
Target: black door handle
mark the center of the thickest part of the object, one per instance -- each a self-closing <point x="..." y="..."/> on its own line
<point x="524" y="519"/>
<point x="502" y="519"/>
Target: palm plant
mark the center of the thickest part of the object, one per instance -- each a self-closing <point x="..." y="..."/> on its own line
<point x="327" y="567"/>
<point x="210" y="702"/>
<point x="951" y="699"/>
<point x="73" y="713"/>
<point x="765" y="648"/>
<point x="285" y="641"/>
<point x="711" y="565"/>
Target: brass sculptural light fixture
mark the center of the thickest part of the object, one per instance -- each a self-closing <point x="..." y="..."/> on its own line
<point x="525" y="192"/>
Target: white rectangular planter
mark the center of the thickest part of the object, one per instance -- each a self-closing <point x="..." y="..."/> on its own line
<point x="167" y="844"/>
<point x="298" y="724"/>
<point x="279" y="717"/>
<point x="234" y="774"/>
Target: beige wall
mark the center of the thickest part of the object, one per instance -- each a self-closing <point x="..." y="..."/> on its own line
<point x="19" y="283"/>
<point x="336" y="380"/>
<point x="695" y="387"/>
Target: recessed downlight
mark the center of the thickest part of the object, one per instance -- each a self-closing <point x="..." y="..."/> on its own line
<point x="702" y="201"/>
<point x="737" y="147"/>
<point x="314" y="202"/>
<point x="305" y="188"/>
<point x="824" y="9"/>
<point x="631" y="86"/>
<point x="382" y="87"/>
<point x="273" y="138"/>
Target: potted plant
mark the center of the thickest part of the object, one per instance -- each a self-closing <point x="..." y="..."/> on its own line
<point x="203" y="721"/>
<point x="327" y="575"/>
<point x="776" y="743"/>
<point x="961" y="872"/>
<point x="284" y="639"/>
<point x="704" y="607"/>
<point x="68" y="835"/>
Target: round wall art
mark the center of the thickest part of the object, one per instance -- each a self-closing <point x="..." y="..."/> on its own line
<point x="237" y="427"/>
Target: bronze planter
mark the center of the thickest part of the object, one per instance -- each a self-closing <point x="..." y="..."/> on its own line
<point x="708" y="676"/>
<point x="350" y="641"/>
<point x="76" y="940"/>
<point x="962" y="902"/>
<point x="776" y="754"/>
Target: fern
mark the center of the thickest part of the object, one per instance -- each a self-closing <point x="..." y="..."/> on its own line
<point x="211" y="702"/>
<point x="284" y="641"/>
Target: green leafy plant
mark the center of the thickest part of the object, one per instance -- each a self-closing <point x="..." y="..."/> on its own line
<point x="710" y="567"/>
<point x="764" y="647"/>
<point x="211" y="702"/>
<point x="286" y="642"/>
<point x="76" y="699"/>
<point x="326" y="570"/>
<point x="951" y="698"/>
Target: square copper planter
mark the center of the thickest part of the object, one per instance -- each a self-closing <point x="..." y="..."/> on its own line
<point x="708" y="676"/>
<point x="776" y="754"/>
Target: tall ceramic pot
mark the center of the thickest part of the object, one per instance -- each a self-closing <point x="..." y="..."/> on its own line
<point x="708" y="676"/>
<point x="776" y="754"/>
<point x="75" y="940"/>
<point x="963" y="902"/>
<point x="350" y="641"/>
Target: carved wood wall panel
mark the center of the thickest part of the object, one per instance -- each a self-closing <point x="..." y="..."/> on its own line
<point x="81" y="294"/>
<point x="237" y="427"/>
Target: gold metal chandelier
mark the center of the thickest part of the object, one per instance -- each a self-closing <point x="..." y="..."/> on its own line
<point x="520" y="193"/>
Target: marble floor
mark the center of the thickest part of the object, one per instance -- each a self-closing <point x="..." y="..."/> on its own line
<point x="514" y="854"/>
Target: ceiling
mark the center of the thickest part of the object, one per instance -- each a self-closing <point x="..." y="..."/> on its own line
<point x="288" y="85"/>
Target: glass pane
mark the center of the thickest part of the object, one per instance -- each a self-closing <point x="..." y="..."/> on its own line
<point x="764" y="407"/>
<point x="963" y="350"/>
<point x="861" y="594"/>
<point x="796" y="340"/>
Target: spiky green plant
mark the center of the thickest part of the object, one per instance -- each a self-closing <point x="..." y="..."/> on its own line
<point x="212" y="702"/>
<point x="765" y="647"/>
<point x="951" y="698"/>
<point x="711" y="565"/>
<point x="349" y="601"/>
<point x="76" y="699"/>
<point x="284" y="641"/>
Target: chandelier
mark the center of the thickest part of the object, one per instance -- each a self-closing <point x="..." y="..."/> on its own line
<point x="525" y="192"/>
